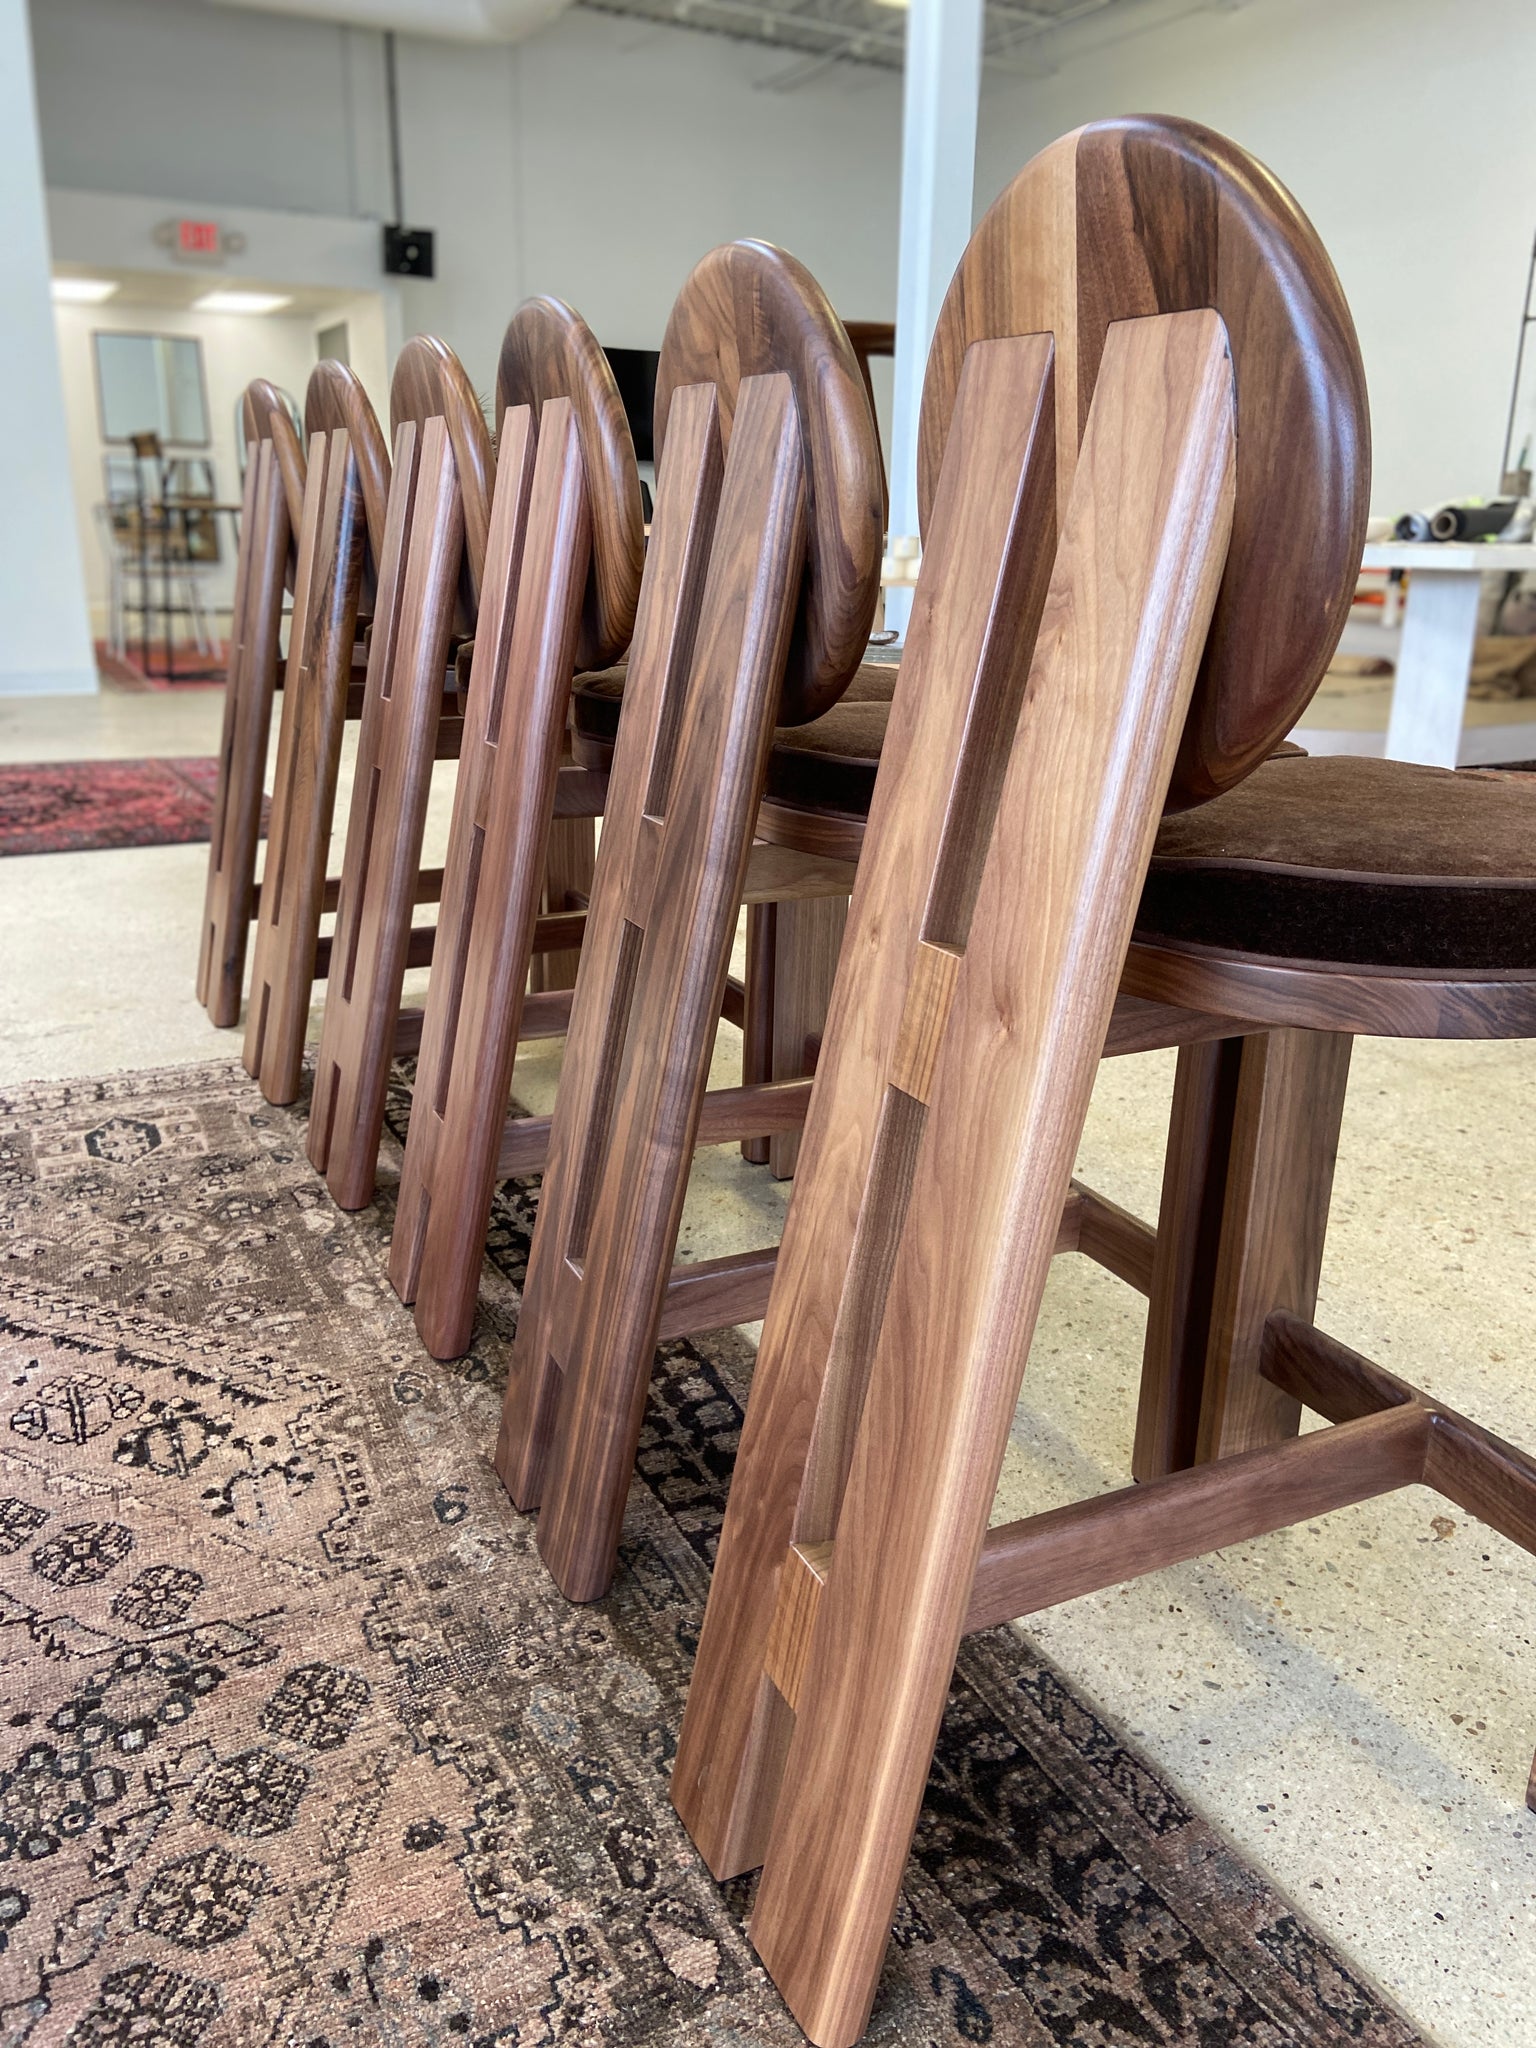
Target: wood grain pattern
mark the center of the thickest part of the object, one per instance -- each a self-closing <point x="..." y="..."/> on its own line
<point x="802" y="1582"/>
<point x="925" y="1018"/>
<point x="807" y="942"/>
<point x="570" y="861"/>
<point x="255" y="627"/>
<point x="548" y="351"/>
<point x="430" y="383"/>
<point x="264" y="416"/>
<point x="407" y="658"/>
<point x="1491" y="1479"/>
<point x="334" y="399"/>
<point x="1178" y="1332"/>
<point x="1139" y="216"/>
<point x="725" y="1113"/>
<point x="685" y="864"/>
<point x="503" y="806"/>
<point x="734" y="1734"/>
<point x="1286" y="1108"/>
<point x="1060" y="1555"/>
<point x="1028" y="1566"/>
<point x="747" y="309"/>
<point x="1113" y="677"/>
<point x="321" y="637"/>
<point x="994" y="784"/>
<point x="1310" y="998"/>
<point x="688" y="485"/>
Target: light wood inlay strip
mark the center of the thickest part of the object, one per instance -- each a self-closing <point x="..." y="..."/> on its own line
<point x="930" y="994"/>
<point x="789" y="1639"/>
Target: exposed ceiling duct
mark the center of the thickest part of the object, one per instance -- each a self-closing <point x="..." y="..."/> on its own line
<point x="471" y="21"/>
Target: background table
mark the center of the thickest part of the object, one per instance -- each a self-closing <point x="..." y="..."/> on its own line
<point x="1439" y="627"/>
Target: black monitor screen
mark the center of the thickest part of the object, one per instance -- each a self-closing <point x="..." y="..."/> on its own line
<point x="635" y="372"/>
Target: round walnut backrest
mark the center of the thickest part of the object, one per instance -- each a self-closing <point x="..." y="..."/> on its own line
<point x="430" y="383"/>
<point x="267" y="415"/>
<point x="550" y="352"/>
<point x="1144" y="215"/>
<point x="335" y="398"/>
<point x="748" y="310"/>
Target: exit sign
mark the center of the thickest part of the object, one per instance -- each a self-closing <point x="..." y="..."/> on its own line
<point x="197" y="237"/>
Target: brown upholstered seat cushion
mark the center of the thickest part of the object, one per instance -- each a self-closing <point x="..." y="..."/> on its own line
<point x="1352" y="861"/>
<point x="827" y="765"/>
<point x="830" y="764"/>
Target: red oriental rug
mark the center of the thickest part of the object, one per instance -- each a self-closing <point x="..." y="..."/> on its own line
<point x="187" y="669"/>
<point x="82" y="806"/>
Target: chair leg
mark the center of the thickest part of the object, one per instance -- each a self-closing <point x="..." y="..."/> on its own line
<point x="403" y="699"/>
<point x="808" y="936"/>
<point x="536" y="565"/>
<point x="568" y="866"/>
<point x="757" y="1022"/>
<point x="1184" y="1259"/>
<point x="243" y="747"/>
<point x="959" y="1058"/>
<point x="1285" y="1117"/>
<point x="324" y="629"/>
<point x="677" y="836"/>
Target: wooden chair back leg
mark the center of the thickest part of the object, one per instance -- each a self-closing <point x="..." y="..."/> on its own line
<point x="407" y="658"/>
<point x="255" y="631"/>
<point x="536" y="568"/>
<point x="569" y="864"/>
<point x="677" y="833"/>
<point x="1252" y="1141"/>
<point x="1009" y="838"/>
<point x="326" y="594"/>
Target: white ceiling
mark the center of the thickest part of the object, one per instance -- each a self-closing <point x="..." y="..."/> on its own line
<point x="1021" y="35"/>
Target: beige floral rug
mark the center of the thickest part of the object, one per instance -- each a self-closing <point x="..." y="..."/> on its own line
<point x="299" y="1746"/>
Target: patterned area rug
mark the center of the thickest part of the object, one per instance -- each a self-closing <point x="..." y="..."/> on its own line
<point x="299" y="1746"/>
<point x="84" y="806"/>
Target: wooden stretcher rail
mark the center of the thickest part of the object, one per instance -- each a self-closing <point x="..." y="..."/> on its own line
<point x="1037" y="1563"/>
<point x="1480" y="1472"/>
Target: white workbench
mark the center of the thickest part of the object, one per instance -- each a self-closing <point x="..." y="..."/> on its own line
<point x="1439" y="627"/>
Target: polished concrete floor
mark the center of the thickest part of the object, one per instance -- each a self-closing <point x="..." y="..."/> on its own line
<point x="1353" y="1701"/>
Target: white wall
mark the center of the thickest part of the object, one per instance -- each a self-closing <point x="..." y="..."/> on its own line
<point x="1404" y="128"/>
<point x="598" y="160"/>
<point x="45" y="645"/>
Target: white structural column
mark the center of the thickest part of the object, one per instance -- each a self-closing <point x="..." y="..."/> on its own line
<point x="938" y="174"/>
<point x="46" y="645"/>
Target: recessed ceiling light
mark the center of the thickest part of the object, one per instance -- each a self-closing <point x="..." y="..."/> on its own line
<point x="83" y="291"/>
<point x="902" y="4"/>
<point x="240" y="302"/>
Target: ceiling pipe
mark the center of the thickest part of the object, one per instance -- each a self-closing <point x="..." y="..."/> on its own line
<point x="474" y="21"/>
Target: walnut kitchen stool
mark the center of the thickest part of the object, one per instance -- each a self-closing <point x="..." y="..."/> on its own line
<point x="341" y="540"/>
<point x="758" y="592"/>
<point x="561" y="584"/>
<point x="270" y="513"/>
<point x="1144" y="464"/>
<point x="428" y="592"/>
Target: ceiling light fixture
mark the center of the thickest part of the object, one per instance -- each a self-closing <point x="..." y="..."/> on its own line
<point x="240" y="302"/>
<point x="83" y="291"/>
